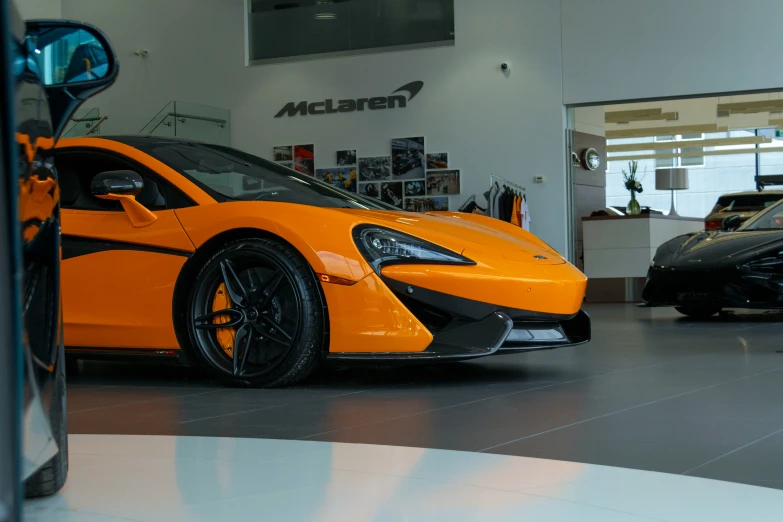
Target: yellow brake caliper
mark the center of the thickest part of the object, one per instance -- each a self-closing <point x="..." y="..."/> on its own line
<point x="225" y="336"/>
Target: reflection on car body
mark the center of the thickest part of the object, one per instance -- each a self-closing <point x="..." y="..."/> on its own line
<point x="742" y="204"/>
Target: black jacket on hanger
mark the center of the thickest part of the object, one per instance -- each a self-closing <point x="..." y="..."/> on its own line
<point x="509" y="206"/>
<point x="502" y="205"/>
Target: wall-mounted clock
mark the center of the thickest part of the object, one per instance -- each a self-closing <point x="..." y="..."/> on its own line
<point x="591" y="159"/>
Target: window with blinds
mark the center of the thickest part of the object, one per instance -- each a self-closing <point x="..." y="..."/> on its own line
<point x="280" y="30"/>
<point x="691" y="156"/>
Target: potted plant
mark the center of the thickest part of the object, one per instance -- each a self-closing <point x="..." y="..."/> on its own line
<point x="633" y="184"/>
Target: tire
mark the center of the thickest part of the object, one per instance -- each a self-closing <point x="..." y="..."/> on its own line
<point x="699" y="312"/>
<point x="272" y="331"/>
<point x="51" y="477"/>
<point x="71" y="366"/>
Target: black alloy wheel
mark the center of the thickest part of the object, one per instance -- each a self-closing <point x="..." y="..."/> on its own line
<point x="269" y="328"/>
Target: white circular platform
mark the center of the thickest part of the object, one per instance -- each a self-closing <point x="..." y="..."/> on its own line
<point x="170" y="479"/>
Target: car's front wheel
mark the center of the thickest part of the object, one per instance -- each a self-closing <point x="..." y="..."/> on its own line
<point x="256" y="315"/>
<point x="699" y="312"/>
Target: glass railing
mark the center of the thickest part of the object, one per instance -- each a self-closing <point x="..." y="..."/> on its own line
<point x="191" y="121"/>
<point x="84" y="122"/>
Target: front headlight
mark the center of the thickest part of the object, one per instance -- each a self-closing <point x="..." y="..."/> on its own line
<point x="381" y="246"/>
<point x="766" y="264"/>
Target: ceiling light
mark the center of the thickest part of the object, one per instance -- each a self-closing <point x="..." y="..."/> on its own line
<point x="325" y="16"/>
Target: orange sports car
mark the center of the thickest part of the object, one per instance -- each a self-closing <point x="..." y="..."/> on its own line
<point x="258" y="273"/>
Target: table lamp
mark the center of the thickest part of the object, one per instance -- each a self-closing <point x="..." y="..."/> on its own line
<point x="671" y="179"/>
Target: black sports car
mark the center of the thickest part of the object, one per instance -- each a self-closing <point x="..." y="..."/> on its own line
<point x="703" y="273"/>
<point x="42" y="85"/>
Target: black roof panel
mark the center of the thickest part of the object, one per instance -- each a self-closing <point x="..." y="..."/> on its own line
<point x="136" y="140"/>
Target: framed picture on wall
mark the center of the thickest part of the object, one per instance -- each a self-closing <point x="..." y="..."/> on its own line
<point x="371" y="190"/>
<point x="443" y="182"/>
<point x="439" y="203"/>
<point x="375" y="169"/>
<point x="343" y="178"/>
<point x="438" y="160"/>
<point x="414" y="188"/>
<point x="346" y="157"/>
<point x="304" y="159"/>
<point x="408" y="160"/>
<point x="283" y="153"/>
<point x="391" y="193"/>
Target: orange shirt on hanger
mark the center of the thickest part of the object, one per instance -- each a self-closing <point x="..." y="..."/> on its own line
<point x="516" y="212"/>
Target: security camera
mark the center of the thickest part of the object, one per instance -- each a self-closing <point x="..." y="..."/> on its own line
<point x="504" y="66"/>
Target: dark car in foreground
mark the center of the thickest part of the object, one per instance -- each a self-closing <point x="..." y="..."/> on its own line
<point x="742" y="204"/>
<point x="50" y="68"/>
<point x="740" y="266"/>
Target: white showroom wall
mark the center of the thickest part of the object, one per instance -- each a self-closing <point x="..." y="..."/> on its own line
<point x="638" y="49"/>
<point x="39" y="9"/>
<point x="195" y="48"/>
<point x="489" y="123"/>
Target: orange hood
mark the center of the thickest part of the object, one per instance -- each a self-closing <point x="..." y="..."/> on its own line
<point x="476" y="237"/>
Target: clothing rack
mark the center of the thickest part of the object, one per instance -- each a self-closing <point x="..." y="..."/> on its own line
<point x="494" y="179"/>
<point x="507" y="201"/>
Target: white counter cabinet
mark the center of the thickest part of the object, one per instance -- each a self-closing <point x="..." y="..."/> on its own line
<point x="620" y="248"/>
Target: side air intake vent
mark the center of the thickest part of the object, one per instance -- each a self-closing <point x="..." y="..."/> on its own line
<point x="433" y="319"/>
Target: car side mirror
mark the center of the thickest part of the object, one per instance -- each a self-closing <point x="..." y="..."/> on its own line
<point x="123" y="186"/>
<point x="730" y="223"/>
<point x="75" y="61"/>
<point x="117" y="183"/>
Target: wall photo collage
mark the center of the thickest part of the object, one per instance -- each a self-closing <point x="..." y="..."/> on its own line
<point x="410" y="179"/>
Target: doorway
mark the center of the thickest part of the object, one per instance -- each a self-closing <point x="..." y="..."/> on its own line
<point x="728" y="145"/>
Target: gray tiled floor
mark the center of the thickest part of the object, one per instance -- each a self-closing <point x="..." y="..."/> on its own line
<point x="652" y="391"/>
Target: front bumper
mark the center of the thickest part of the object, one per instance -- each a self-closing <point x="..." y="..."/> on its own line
<point x="729" y="287"/>
<point x="464" y="329"/>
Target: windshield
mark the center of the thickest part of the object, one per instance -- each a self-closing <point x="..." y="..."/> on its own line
<point x="739" y="203"/>
<point x="229" y="174"/>
<point x="769" y="219"/>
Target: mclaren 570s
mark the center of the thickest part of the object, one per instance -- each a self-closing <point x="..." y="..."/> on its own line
<point x="258" y="273"/>
<point x="740" y="266"/>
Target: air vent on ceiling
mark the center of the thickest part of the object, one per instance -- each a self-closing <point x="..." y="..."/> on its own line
<point x="723" y="113"/>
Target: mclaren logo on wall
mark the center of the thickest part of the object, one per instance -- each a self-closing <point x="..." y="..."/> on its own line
<point x="374" y="104"/>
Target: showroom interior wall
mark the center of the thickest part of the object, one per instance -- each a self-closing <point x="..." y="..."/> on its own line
<point x="490" y="123"/>
<point x="487" y="122"/>
<point x="39" y="9"/>
<point x="625" y="50"/>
